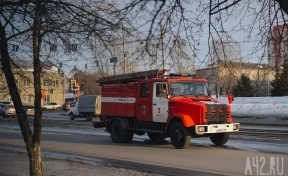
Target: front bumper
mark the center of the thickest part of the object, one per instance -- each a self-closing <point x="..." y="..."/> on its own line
<point x="217" y="128"/>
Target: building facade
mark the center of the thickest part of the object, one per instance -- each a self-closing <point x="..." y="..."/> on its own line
<point x="222" y="77"/>
<point x="278" y="45"/>
<point x="51" y="85"/>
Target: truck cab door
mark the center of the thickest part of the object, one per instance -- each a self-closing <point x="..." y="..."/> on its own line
<point x="144" y="101"/>
<point x="160" y="102"/>
<point x="74" y="108"/>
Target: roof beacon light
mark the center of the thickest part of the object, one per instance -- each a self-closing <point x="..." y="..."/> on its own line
<point x="175" y="74"/>
<point x="192" y="75"/>
<point x="184" y="75"/>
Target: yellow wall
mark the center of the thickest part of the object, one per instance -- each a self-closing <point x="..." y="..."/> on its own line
<point x="252" y="73"/>
<point x="25" y="85"/>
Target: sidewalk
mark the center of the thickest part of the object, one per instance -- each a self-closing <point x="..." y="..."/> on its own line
<point x="16" y="164"/>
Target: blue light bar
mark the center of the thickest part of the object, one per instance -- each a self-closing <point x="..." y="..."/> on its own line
<point x="184" y="75"/>
<point x="192" y="75"/>
<point x="175" y="74"/>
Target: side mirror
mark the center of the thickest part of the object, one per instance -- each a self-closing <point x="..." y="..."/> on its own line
<point x="209" y="92"/>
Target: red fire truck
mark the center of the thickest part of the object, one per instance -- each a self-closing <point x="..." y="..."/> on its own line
<point x="163" y="105"/>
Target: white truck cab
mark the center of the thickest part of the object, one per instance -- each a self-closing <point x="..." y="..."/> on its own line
<point x="87" y="107"/>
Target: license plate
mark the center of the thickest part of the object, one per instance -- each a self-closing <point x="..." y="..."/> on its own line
<point x="220" y="130"/>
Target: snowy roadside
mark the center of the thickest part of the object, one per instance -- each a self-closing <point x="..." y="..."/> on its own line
<point x="59" y="167"/>
<point x="259" y="110"/>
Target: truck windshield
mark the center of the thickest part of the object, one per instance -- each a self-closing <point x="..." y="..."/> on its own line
<point x="188" y="89"/>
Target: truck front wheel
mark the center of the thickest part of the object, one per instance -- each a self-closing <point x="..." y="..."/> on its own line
<point x="220" y="138"/>
<point x="156" y="137"/>
<point x="179" y="136"/>
<point x="87" y="117"/>
<point x="119" y="134"/>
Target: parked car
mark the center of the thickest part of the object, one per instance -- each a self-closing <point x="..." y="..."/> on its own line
<point x="51" y="106"/>
<point x="29" y="109"/>
<point x="9" y="111"/>
<point x="66" y="106"/>
<point x="2" y="109"/>
<point x="6" y="102"/>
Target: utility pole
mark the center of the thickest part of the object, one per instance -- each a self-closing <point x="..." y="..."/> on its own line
<point x="163" y="53"/>
<point x="132" y="61"/>
<point x="114" y="68"/>
<point x="74" y="91"/>
<point x="124" y="54"/>
<point x="194" y="57"/>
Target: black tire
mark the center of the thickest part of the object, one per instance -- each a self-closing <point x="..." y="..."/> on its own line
<point x="220" y="138"/>
<point x="118" y="133"/>
<point x="87" y="117"/>
<point x="129" y="136"/>
<point x="72" y="117"/>
<point x="179" y="136"/>
<point x="156" y="137"/>
<point x="140" y="133"/>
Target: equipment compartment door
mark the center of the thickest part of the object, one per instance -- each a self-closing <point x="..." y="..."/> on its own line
<point x="144" y="101"/>
<point x="160" y="102"/>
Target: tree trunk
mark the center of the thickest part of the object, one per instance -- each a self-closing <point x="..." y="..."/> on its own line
<point x="36" y="167"/>
<point x="9" y="76"/>
<point x="33" y="142"/>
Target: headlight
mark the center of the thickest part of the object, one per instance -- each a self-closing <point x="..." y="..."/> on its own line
<point x="236" y="127"/>
<point x="201" y="129"/>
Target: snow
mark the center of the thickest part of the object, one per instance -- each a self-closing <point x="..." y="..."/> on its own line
<point x="259" y="110"/>
<point x="71" y="95"/>
<point x="256" y="100"/>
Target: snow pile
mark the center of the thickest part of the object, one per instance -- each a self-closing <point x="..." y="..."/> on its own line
<point x="257" y="100"/>
<point x="71" y="95"/>
<point x="259" y="110"/>
<point x="253" y="109"/>
<point x="258" y="106"/>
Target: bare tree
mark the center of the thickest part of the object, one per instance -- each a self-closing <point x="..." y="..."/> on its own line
<point x="224" y="21"/>
<point x="180" y="60"/>
<point x="56" y="23"/>
<point x="87" y="86"/>
<point x="165" y="19"/>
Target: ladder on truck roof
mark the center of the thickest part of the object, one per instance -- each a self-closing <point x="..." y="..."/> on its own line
<point x="130" y="77"/>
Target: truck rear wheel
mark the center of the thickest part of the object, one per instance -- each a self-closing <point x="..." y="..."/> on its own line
<point x="156" y="137"/>
<point x="119" y="134"/>
<point x="71" y="116"/>
<point x="220" y="138"/>
<point x="179" y="136"/>
<point x="129" y="136"/>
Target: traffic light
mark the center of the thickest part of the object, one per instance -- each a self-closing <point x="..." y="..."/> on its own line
<point x="73" y="84"/>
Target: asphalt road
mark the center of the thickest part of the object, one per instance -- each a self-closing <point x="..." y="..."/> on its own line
<point x="200" y="156"/>
<point x="232" y="159"/>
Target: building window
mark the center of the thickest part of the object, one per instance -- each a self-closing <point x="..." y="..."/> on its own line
<point x="4" y="89"/>
<point x="50" y="91"/>
<point x="145" y="90"/>
<point x="27" y="98"/>
<point x="26" y="82"/>
<point x="50" y="82"/>
<point x="48" y="98"/>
